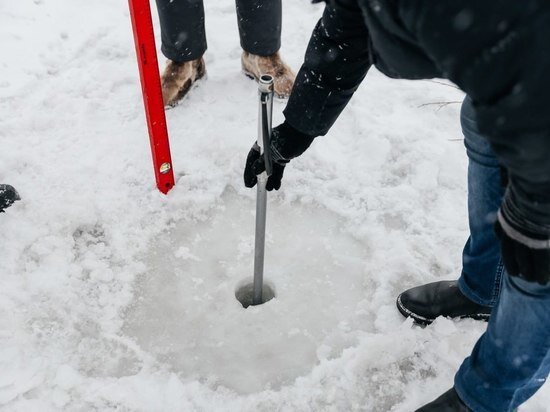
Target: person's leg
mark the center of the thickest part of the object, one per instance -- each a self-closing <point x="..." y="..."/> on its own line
<point x="260" y="26"/>
<point x="478" y="287"/>
<point x="182" y="29"/>
<point x="511" y="360"/>
<point x="260" y="32"/>
<point x="482" y="265"/>
<point x="183" y="43"/>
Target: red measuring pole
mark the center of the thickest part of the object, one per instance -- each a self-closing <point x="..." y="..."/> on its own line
<point x="144" y="37"/>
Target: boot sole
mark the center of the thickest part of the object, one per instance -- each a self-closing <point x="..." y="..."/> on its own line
<point x="421" y="320"/>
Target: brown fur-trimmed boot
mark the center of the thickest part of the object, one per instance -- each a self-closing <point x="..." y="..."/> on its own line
<point x="178" y="78"/>
<point x="283" y="77"/>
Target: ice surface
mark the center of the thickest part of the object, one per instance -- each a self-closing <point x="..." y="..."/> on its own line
<point x="200" y="330"/>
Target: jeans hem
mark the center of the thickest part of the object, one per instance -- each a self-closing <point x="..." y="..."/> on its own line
<point x="470" y="294"/>
<point x="467" y="400"/>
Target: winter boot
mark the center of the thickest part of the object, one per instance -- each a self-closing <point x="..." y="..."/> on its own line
<point x="448" y="402"/>
<point x="427" y="302"/>
<point x="178" y="78"/>
<point x="8" y="195"/>
<point x="283" y="77"/>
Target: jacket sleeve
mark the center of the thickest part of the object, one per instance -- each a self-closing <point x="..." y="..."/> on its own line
<point x="336" y="61"/>
<point x="498" y="53"/>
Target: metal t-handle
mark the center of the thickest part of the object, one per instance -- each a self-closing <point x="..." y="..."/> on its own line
<point x="265" y="92"/>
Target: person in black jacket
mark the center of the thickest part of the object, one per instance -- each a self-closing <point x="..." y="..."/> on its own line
<point x="498" y="53"/>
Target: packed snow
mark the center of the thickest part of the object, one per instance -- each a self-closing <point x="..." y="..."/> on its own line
<point x="116" y="297"/>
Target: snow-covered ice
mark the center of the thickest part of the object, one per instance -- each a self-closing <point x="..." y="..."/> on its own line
<point x="115" y="297"/>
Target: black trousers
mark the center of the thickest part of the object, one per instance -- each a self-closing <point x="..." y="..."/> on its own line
<point x="183" y="34"/>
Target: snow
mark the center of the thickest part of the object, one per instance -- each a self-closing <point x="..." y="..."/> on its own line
<point x="116" y="297"/>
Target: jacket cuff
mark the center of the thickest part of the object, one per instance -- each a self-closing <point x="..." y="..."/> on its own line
<point x="288" y="142"/>
<point x="520" y="237"/>
<point x="527" y="208"/>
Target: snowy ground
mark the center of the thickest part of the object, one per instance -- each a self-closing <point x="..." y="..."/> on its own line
<point x="115" y="297"/>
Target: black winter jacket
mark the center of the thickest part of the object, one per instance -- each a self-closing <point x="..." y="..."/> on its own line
<point x="496" y="51"/>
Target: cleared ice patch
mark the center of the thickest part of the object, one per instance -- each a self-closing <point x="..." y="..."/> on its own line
<point x="186" y="315"/>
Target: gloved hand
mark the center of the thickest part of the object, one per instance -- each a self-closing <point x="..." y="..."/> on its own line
<point x="525" y="255"/>
<point x="286" y="144"/>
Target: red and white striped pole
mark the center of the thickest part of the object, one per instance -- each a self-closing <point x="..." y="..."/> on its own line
<point x="144" y="38"/>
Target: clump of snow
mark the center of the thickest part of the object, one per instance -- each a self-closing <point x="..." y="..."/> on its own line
<point x="115" y="297"/>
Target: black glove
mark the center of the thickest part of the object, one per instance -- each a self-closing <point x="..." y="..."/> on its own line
<point x="286" y="143"/>
<point x="525" y="255"/>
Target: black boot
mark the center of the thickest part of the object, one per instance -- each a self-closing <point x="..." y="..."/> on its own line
<point x="427" y="302"/>
<point x="8" y="195"/>
<point x="448" y="402"/>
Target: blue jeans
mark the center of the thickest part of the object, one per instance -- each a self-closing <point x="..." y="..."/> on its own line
<point x="482" y="267"/>
<point x="511" y="360"/>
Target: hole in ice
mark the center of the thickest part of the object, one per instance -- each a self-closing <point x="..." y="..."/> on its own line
<point x="185" y="315"/>
<point x="245" y="294"/>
